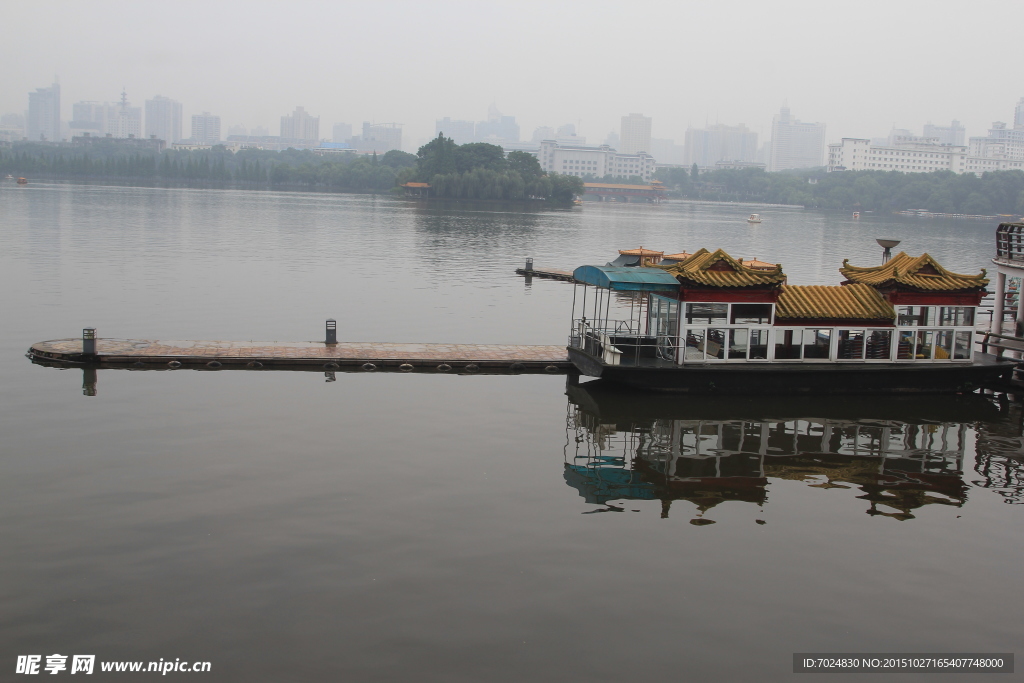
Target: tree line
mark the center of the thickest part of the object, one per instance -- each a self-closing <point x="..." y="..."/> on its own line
<point x="997" y="192"/>
<point x="473" y="171"/>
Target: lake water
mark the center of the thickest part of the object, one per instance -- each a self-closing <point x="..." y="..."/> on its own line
<point x="387" y="527"/>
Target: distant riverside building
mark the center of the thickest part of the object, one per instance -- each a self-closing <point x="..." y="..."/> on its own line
<point x="44" y="114"/>
<point x="582" y="161"/>
<point x="126" y="121"/>
<point x="205" y="129"/>
<point x="300" y="126"/>
<point x="707" y="146"/>
<point x="859" y="154"/>
<point x="163" y="119"/>
<point x="952" y="134"/>
<point x="1000" y="143"/>
<point x="635" y="134"/>
<point x="1018" y="114"/>
<point x="667" y="152"/>
<point x="91" y="118"/>
<point x="461" y="132"/>
<point x="341" y="133"/>
<point x="12" y="127"/>
<point x="795" y="144"/>
<point x="379" y="137"/>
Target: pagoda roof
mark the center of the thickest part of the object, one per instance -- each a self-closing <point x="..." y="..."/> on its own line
<point x="758" y="265"/>
<point x="837" y="302"/>
<point x="921" y="273"/>
<point x="718" y="269"/>
<point x="640" y="252"/>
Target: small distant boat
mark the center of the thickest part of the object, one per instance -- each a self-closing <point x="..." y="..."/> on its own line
<point x="754" y="218"/>
<point x="22" y="181"/>
<point x="9" y="177"/>
<point x="856" y="214"/>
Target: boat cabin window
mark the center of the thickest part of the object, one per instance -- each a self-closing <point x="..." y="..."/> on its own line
<point x="926" y="316"/>
<point x="751" y="314"/>
<point x="707" y="314"/>
<point x="803" y="344"/>
<point x="915" y="316"/>
<point x="864" y="345"/>
<point x="955" y="316"/>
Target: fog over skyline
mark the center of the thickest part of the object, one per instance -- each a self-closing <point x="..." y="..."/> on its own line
<point x="860" y="68"/>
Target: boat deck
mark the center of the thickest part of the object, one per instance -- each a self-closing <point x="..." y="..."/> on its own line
<point x="457" y="357"/>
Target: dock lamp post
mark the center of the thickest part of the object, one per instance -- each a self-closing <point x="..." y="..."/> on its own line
<point x="332" y="331"/>
<point x="89" y="342"/>
<point x="886" y="244"/>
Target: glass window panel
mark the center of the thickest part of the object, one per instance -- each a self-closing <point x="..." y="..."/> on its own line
<point x="694" y="343"/>
<point x="787" y="344"/>
<point x="924" y="344"/>
<point x="962" y="347"/>
<point x="905" y="348"/>
<point x="738" y="343"/>
<point x="751" y="314"/>
<point x="851" y="345"/>
<point x="816" y="343"/>
<point x="758" y="344"/>
<point x="709" y="314"/>
<point x="915" y="316"/>
<point x="944" y="345"/>
<point x="879" y="345"/>
<point x="956" y="316"/>
<point x="715" y="345"/>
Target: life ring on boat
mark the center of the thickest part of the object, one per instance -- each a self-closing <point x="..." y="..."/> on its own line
<point x="472" y="367"/>
<point x="254" y="364"/>
<point x="369" y="367"/>
<point x="214" y="364"/>
<point x="516" y="368"/>
<point x="444" y="367"/>
<point x="405" y="367"/>
<point x="174" y="364"/>
<point x="551" y="368"/>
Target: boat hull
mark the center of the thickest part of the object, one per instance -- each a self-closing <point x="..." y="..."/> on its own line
<point x="802" y="378"/>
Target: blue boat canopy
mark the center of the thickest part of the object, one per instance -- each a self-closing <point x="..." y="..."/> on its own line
<point x="627" y="279"/>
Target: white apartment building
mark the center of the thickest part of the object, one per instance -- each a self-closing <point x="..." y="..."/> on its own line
<point x="300" y="126"/>
<point x="205" y="129"/>
<point x="582" y="161"/>
<point x="795" y="144"/>
<point x="163" y="119"/>
<point x="635" y="134"/>
<point x="1000" y="143"/>
<point x="858" y="154"/>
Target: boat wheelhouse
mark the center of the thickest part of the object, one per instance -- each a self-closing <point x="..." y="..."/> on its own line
<point x="712" y="323"/>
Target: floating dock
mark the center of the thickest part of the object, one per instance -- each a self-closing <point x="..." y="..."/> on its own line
<point x="456" y="358"/>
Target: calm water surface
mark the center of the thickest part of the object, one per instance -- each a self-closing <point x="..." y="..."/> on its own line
<point x="440" y="528"/>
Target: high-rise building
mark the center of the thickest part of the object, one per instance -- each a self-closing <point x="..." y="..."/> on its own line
<point x="163" y="119"/>
<point x="206" y="128"/>
<point x="1001" y="142"/>
<point x="707" y="146"/>
<point x="44" y="114"/>
<point x="300" y="126"/>
<point x="1018" y="114"/>
<point x="342" y="132"/>
<point x="379" y="137"/>
<point x="91" y="118"/>
<point x="953" y="134"/>
<point x="635" y="134"/>
<point x="796" y="144"/>
<point x="126" y="121"/>
<point x="497" y="128"/>
<point x="461" y="132"/>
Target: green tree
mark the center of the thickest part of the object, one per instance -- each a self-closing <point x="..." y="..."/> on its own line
<point x="437" y="157"/>
<point x="397" y="159"/>
<point x="479" y="155"/>
<point x="694" y="172"/>
<point x="525" y="164"/>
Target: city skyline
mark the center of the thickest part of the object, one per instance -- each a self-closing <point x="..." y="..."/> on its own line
<point x="714" y="81"/>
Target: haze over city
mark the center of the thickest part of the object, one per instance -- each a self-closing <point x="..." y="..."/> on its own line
<point x="860" y="68"/>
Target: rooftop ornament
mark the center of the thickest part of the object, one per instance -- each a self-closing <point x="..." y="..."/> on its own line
<point x="887" y="244"/>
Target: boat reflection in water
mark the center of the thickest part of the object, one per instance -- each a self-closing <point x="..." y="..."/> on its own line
<point x="901" y="453"/>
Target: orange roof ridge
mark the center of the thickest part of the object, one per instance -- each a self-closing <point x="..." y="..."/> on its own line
<point x="833" y="302"/>
<point x="719" y="269"/>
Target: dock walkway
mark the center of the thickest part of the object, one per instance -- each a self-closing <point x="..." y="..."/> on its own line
<point x="371" y="356"/>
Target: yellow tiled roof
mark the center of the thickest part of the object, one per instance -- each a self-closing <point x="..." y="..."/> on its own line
<point x="838" y="302"/>
<point x="922" y="272"/>
<point x="680" y="256"/>
<point x="718" y="269"/>
<point x="758" y="265"/>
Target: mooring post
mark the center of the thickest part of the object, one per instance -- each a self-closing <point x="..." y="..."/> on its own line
<point x="89" y="342"/>
<point x="332" y="331"/>
<point x="529" y="264"/>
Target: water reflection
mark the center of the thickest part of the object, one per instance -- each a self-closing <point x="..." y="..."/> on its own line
<point x="899" y="454"/>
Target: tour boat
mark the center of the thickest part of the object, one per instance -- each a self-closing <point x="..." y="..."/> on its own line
<point x="754" y="218"/>
<point x="713" y="324"/>
<point x="22" y="181"/>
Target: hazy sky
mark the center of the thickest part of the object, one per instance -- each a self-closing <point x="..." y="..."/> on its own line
<point x="859" y="67"/>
